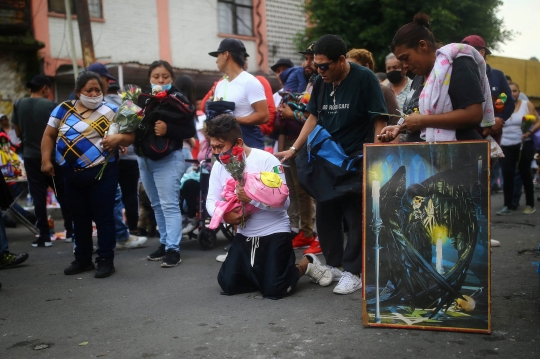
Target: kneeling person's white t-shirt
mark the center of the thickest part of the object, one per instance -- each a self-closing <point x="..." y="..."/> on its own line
<point x="267" y="220"/>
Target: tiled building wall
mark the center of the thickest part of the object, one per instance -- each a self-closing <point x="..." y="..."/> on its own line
<point x="284" y="19"/>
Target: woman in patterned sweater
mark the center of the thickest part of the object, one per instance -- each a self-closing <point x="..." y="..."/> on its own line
<point x="77" y="129"/>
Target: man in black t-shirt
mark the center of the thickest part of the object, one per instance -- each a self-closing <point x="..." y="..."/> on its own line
<point x="350" y="100"/>
<point x="30" y="117"/>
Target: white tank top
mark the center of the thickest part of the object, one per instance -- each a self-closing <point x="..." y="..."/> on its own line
<point x="511" y="133"/>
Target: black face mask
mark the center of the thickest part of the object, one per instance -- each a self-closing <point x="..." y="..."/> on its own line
<point x="229" y="152"/>
<point x="394" y="76"/>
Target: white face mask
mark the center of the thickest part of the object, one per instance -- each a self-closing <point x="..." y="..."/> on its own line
<point x="91" y="102"/>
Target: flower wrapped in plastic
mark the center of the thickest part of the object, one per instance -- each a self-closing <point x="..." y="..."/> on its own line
<point x="129" y="115"/>
<point x="235" y="163"/>
<point x="526" y="123"/>
<point x="126" y="119"/>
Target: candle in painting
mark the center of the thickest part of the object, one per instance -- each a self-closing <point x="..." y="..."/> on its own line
<point x="376" y="194"/>
<point x="438" y="255"/>
<point x="480" y="167"/>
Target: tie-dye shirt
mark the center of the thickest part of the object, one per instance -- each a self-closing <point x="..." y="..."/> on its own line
<point x="78" y="145"/>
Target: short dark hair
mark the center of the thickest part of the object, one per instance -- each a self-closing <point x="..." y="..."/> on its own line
<point x="186" y="85"/>
<point x="331" y="46"/>
<point x="160" y="63"/>
<point x="86" y="76"/>
<point x="224" y="127"/>
<point x="239" y="58"/>
<point x="412" y="33"/>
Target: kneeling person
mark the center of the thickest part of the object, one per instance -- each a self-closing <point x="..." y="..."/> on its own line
<point x="261" y="256"/>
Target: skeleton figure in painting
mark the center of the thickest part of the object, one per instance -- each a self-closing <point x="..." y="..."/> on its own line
<point x="416" y="219"/>
<point x="410" y="215"/>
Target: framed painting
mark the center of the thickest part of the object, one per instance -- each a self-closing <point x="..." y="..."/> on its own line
<point x="427" y="237"/>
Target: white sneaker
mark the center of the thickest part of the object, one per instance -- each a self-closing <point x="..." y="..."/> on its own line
<point x="336" y="273"/>
<point x="191" y="225"/>
<point x="318" y="272"/>
<point x="131" y="242"/>
<point x="495" y="243"/>
<point x="221" y="257"/>
<point x="348" y="283"/>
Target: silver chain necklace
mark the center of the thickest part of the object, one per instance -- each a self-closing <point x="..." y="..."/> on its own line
<point x="334" y="88"/>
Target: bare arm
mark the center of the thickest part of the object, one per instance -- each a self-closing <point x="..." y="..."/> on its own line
<point x="309" y="125"/>
<point x="259" y="116"/>
<point x="468" y="117"/>
<point x="122" y="139"/>
<point x="379" y="123"/>
<point x="48" y="142"/>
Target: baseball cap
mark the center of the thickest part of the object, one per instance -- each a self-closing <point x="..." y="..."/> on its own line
<point x="38" y="82"/>
<point x="101" y="70"/>
<point x="231" y="45"/>
<point x="309" y="49"/>
<point x="476" y="41"/>
<point x="282" y="62"/>
<point x="113" y="86"/>
<point x="2" y="116"/>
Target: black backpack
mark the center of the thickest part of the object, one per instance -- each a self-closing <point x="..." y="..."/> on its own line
<point x="173" y="109"/>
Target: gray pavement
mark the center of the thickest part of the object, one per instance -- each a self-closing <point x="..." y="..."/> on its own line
<point x="145" y="311"/>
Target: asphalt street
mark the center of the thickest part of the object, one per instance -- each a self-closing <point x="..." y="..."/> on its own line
<point x="145" y="311"/>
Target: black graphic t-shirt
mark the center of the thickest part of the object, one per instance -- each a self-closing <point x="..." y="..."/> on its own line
<point x="346" y="114"/>
<point x="464" y="90"/>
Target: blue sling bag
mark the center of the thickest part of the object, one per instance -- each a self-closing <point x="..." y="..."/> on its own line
<point x="325" y="171"/>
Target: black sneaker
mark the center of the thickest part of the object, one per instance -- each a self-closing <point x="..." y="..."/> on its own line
<point x="40" y="243"/>
<point x="157" y="255"/>
<point x="172" y="259"/>
<point x="11" y="260"/>
<point x="105" y="267"/>
<point x="79" y="266"/>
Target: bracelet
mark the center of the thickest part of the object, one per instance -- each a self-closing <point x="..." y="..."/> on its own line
<point x="294" y="150"/>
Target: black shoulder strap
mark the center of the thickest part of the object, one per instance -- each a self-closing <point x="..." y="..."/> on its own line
<point x="320" y="95"/>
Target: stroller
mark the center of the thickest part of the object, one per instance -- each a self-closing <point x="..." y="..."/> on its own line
<point x="204" y="235"/>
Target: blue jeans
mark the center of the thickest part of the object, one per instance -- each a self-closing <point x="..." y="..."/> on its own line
<point x="122" y="231"/>
<point x="93" y="200"/>
<point x="161" y="180"/>
<point x="3" y="237"/>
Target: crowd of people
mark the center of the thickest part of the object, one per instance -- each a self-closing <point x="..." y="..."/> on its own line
<point x="66" y="147"/>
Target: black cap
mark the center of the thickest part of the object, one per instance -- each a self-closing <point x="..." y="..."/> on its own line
<point x="38" y="82"/>
<point x="101" y="70"/>
<point x="282" y="62"/>
<point x="113" y="85"/>
<point x="231" y="45"/>
<point x="309" y="49"/>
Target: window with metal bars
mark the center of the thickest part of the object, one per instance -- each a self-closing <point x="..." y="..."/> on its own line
<point x="235" y="17"/>
<point x="94" y="7"/>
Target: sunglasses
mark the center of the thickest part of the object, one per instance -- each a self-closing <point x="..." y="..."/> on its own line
<point x="323" y="67"/>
